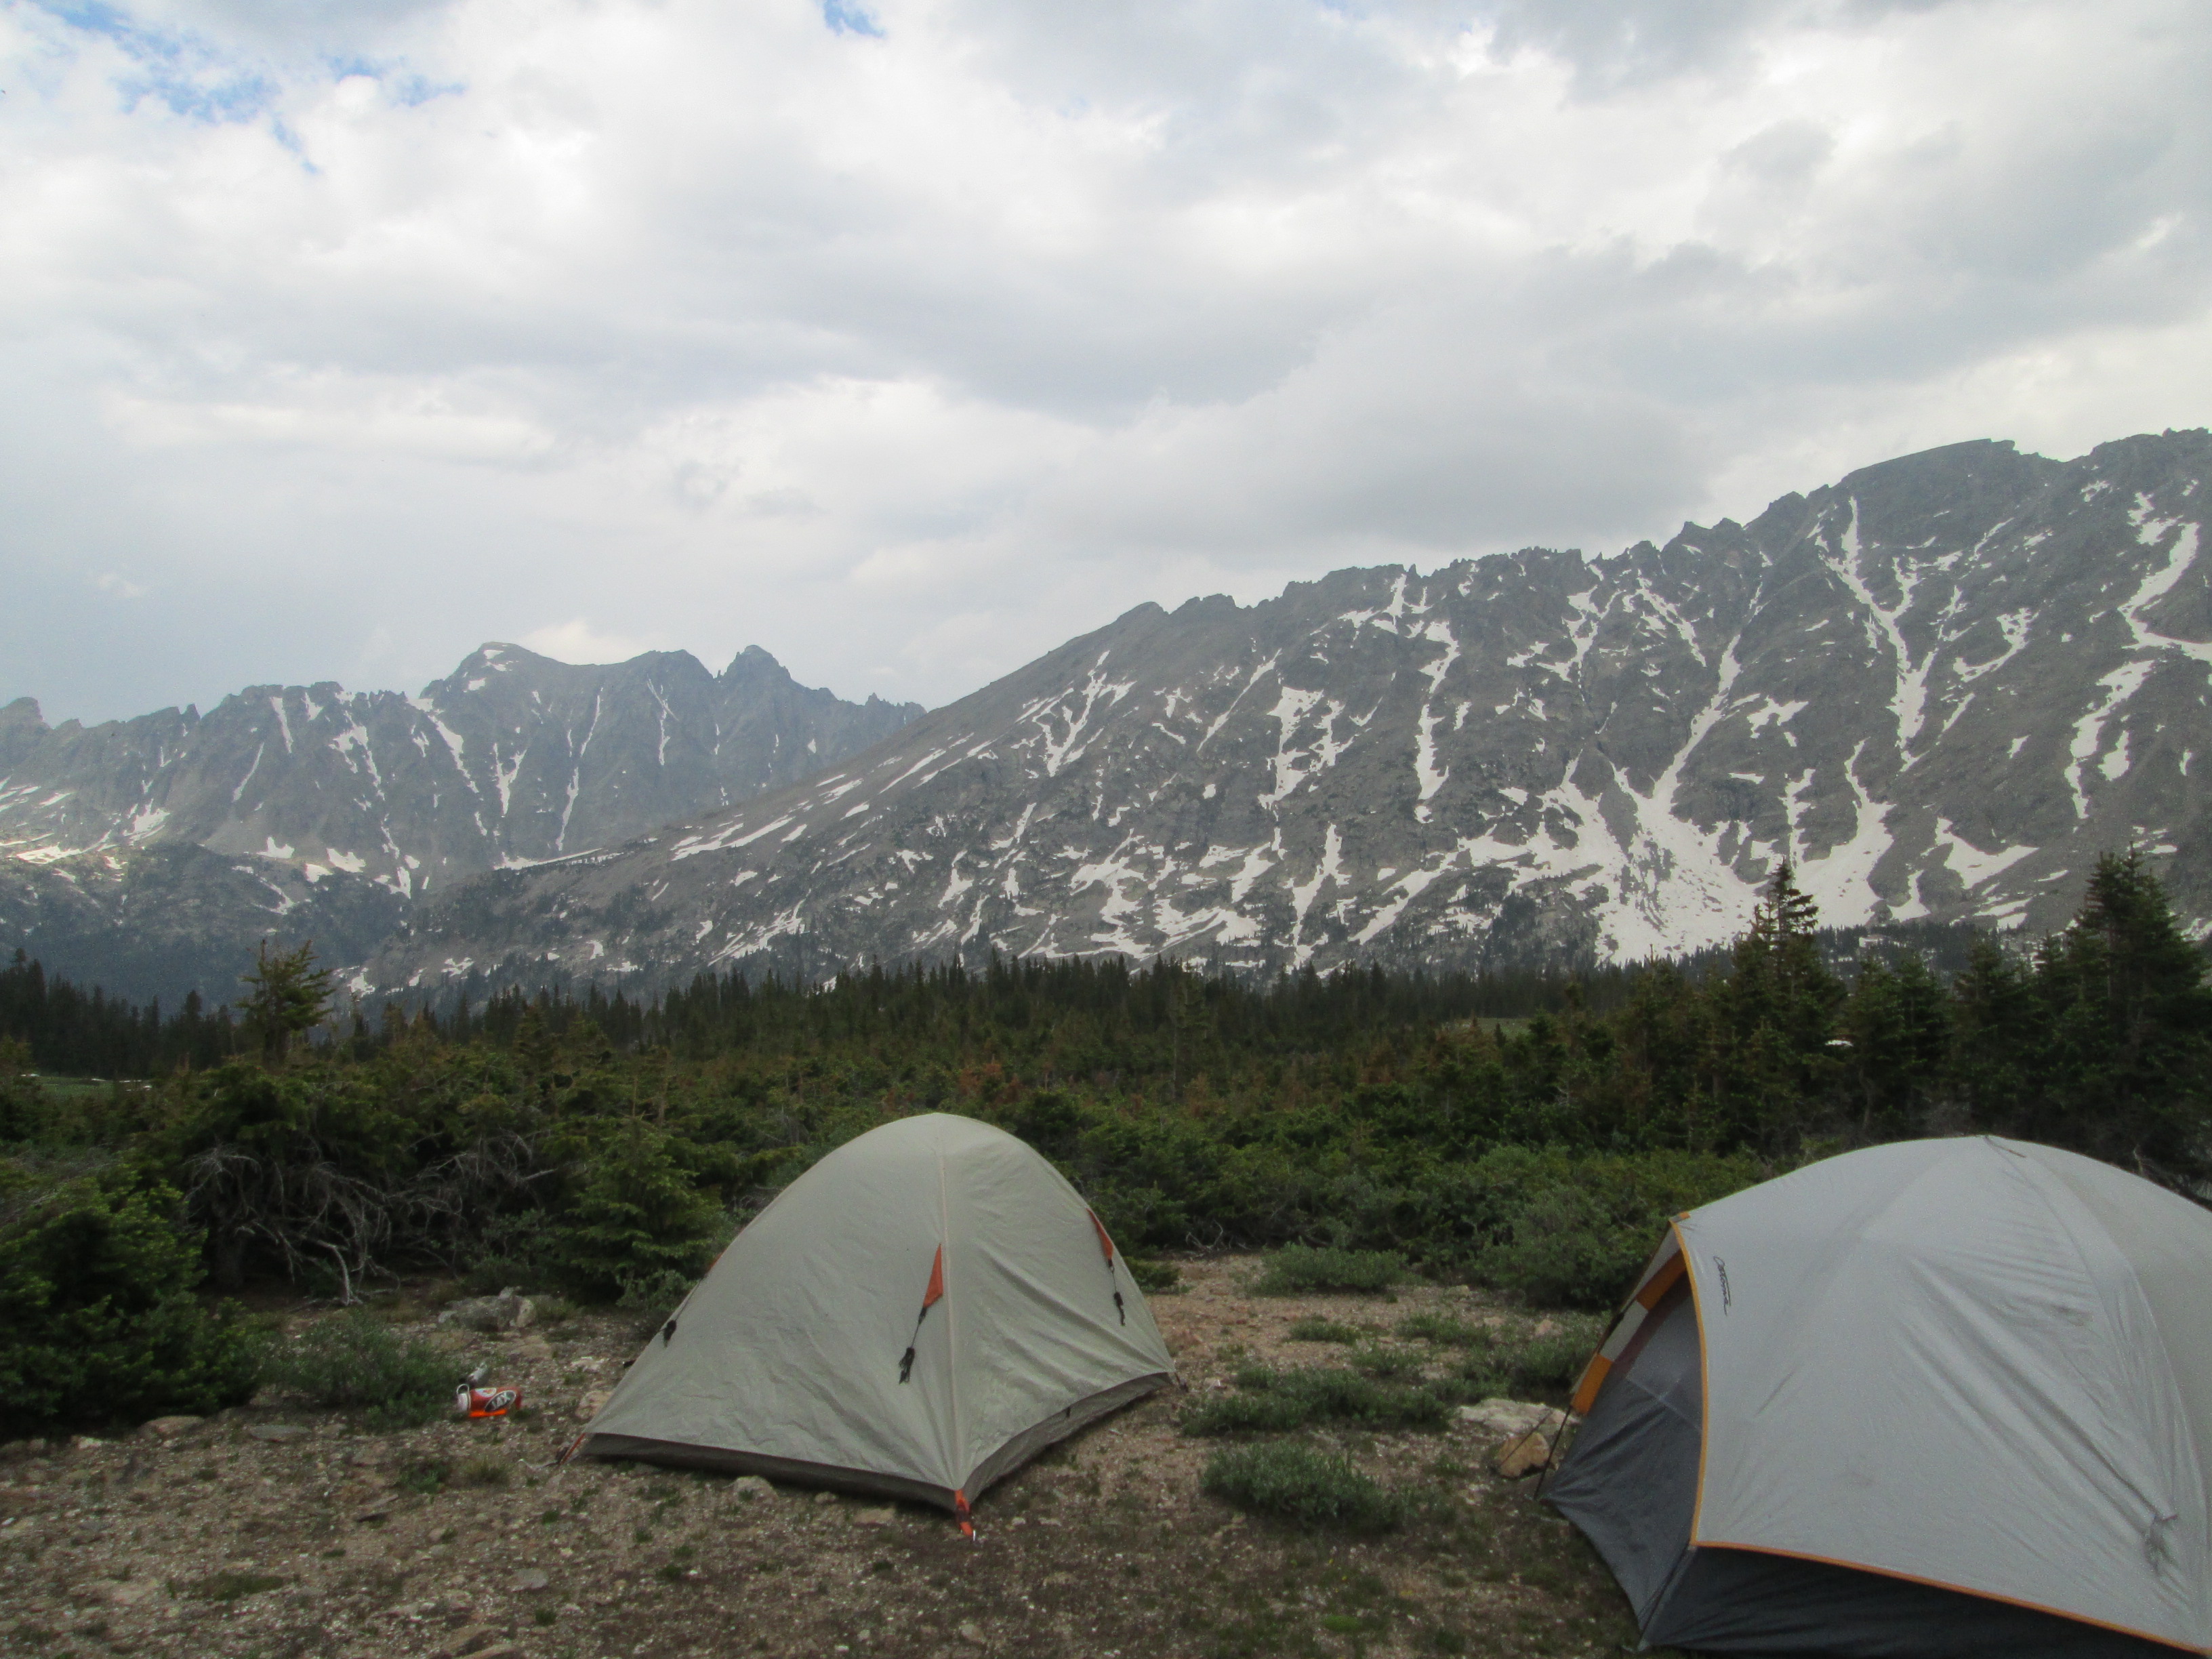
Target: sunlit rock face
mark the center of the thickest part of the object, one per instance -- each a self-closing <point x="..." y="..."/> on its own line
<point x="311" y="810"/>
<point x="1944" y="685"/>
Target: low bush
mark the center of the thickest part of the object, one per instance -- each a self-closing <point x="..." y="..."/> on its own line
<point x="354" y="1360"/>
<point x="1299" y="1270"/>
<point x="555" y="1310"/>
<point x="1271" y="1402"/>
<point x="1387" y="1364"/>
<point x="98" y="1322"/>
<point x="1574" y="1233"/>
<point x="1154" y="1278"/>
<point x="1550" y="1363"/>
<point x="1307" y="1487"/>
<point x="1446" y="1332"/>
<point x="1312" y="1327"/>
<point x="655" y="1297"/>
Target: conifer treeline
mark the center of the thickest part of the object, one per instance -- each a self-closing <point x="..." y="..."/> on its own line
<point x="1133" y="1011"/>
<point x="78" y="1032"/>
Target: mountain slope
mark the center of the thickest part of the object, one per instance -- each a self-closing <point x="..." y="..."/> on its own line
<point x="1944" y="685"/>
<point x="316" y="810"/>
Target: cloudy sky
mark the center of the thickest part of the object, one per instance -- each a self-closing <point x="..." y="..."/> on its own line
<point x="907" y="338"/>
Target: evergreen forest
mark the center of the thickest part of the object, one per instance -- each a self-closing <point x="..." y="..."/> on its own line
<point x="1528" y="1132"/>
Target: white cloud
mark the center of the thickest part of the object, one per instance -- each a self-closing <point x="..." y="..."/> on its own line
<point x="576" y="641"/>
<point x="365" y="332"/>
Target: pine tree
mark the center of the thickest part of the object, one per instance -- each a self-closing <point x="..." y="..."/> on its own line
<point x="1770" y="1061"/>
<point x="1998" y="1037"/>
<point x="289" y="994"/>
<point x="2128" y="1068"/>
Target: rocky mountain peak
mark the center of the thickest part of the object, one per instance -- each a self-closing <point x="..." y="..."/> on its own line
<point x="310" y="791"/>
<point x="1942" y="685"/>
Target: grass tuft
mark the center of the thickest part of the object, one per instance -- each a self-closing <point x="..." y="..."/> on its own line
<point x="1275" y="1402"/>
<point x="1387" y="1364"/>
<point x="1313" y="1328"/>
<point x="484" y="1469"/>
<point x="1298" y="1269"/>
<point x="1306" y="1488"/>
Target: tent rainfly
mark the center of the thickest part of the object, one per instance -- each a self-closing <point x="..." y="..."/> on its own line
<point x="925" y="1308"/>
<point x="1941" y="1398"/>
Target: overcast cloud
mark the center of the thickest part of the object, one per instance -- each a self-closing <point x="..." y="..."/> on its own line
<point x="907" y="339"/>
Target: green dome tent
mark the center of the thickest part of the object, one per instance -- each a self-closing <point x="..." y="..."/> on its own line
<point x="1940" y="1398"/>
<point x="925" y="1308"/>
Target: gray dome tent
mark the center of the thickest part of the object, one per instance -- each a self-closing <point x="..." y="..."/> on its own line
<point x="917" y="1315"/>
<point x="1943" y="1397"/>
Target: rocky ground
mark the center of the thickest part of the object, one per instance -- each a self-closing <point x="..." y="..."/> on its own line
<point x="275" y="1531"/>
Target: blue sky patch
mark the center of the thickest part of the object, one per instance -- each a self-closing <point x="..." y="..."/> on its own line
<point x="845" y="17"/>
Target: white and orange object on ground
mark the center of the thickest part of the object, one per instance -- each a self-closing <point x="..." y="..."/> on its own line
<point x="922" y="1311"/>
<point x="1927" y="1401"/>
<point x="469" y="1401"/>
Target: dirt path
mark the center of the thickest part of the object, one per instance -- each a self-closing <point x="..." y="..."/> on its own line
<point x="273" y="1532"/>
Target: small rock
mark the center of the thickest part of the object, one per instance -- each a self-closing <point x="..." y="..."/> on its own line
<point x="747" y="1488"/>
<point x="506" y="1311"/>
<point x="878" y="1518"/>
<point x="1512" y="1417"/>
<point x="589" y="1405"/>
<point x="970" y="1635"/>
<point x="1522" y="1456"/>
<point x="532" y="1578"/>
<point x="168" y="1428"/>
<point x="276" y="1431"/>
<point x="826" y="1496"/>
<point x="1545" y="1328"/>
<point x="86" y="1443"/>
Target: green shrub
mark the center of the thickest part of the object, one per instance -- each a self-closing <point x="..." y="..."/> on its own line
<point x="555" y="1310"/>
<point x="521" y="1247"/>
<point x="1446" y="1332"/>
<point x="1563" y="1253"/>
<point x="639" y="1225"/>
<point x="654" y="1297"/>
<point x="354" y="1359"/>
<point x="1297" y="1484"/>
<point x="1154" y="1278"/>
<point x="1298" y="1269"/>
<point x="1386" y="1365"/>
<point x="1575" y="1232"/>
<point x="98" y="1324"/>
<point x="1270" y="1402"/>
<point x="1312" y="1327"/>
<point x="1550" y="1363"/>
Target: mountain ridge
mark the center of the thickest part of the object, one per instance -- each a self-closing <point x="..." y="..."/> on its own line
<point x="1942" y="685"/>
<point x="312" y="809"/>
